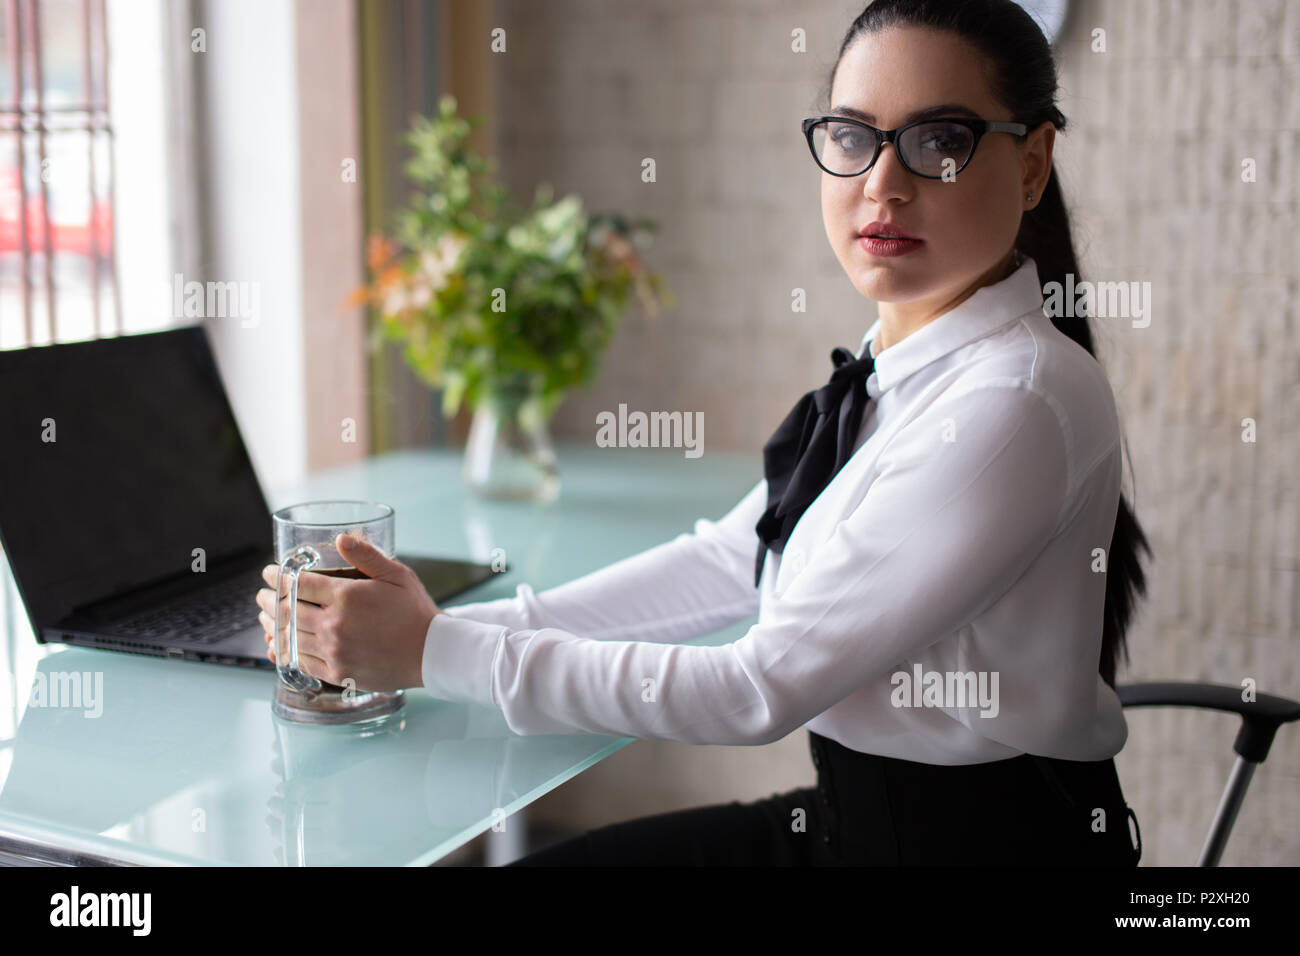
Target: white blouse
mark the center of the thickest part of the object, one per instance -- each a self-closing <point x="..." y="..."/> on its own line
<point x="962" y="548"/>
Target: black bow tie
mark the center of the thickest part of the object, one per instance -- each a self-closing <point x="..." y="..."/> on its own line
<point x="810" y="447"/>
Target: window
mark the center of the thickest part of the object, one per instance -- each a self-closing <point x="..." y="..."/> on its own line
<point x="84" y="201"/>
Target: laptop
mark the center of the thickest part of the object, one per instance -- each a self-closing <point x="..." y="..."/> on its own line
<point x="118" y="458"/>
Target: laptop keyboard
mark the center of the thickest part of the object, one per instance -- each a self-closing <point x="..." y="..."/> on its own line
<point x="203" y="617"/>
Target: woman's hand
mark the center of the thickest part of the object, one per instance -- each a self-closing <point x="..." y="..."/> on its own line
<point x="370" y="630"/>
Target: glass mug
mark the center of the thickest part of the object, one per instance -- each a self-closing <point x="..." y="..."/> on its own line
<point x="304" y="541"/>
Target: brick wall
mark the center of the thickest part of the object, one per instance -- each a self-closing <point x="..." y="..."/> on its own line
<point x="1151" y="163"/>
<point x="1161" y="123"/>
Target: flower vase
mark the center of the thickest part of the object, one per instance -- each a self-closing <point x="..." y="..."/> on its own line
<point x="508" y="454"/>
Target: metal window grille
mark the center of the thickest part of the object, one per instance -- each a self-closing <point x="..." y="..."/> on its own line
<point x="57" y="250"/>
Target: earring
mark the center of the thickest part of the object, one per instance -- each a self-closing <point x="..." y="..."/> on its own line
<point x="1030" y="197"/>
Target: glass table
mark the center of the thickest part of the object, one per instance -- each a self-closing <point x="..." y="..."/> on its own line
<point x="184" y="763"/>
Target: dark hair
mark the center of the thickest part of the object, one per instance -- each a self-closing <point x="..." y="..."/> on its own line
<point x="1023" y="77"/>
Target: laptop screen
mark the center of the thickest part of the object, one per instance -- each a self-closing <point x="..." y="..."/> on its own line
<point x="118" y="458"/>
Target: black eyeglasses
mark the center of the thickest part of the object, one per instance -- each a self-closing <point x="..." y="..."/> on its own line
<point x="930" y="148"/>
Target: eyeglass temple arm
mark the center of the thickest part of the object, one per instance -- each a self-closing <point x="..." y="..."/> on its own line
<point x="997" y="126"/>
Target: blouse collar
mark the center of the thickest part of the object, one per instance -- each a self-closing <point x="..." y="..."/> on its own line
<point x="988" y="309"/>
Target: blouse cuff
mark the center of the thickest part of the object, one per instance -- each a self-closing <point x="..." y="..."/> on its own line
<point x="458" y="656"/>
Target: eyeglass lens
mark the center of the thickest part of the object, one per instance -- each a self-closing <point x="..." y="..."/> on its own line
<point x="846" y="149"/>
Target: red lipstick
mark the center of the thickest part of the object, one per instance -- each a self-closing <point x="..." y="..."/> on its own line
<point x="887" y="240"/>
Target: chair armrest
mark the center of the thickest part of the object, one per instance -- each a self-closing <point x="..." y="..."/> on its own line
<point x="1260" y="718"/>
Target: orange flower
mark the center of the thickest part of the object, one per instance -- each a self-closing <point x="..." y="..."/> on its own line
<point x="357" y="297"/>
<point x="379" y="251"/>
<point x="390" y="276"/>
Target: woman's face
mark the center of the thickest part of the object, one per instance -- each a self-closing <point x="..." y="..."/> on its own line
<point x="967" y="226"/>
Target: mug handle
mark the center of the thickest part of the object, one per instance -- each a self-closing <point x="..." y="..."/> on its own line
<point x="302" y="558"/>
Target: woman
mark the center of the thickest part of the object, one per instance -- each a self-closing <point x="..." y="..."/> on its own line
<point x="945" y="565"/>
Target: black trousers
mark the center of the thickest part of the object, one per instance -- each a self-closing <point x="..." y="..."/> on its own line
<point x="868" y="810"/>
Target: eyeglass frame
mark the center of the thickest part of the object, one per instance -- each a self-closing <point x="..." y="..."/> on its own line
<point x="978" y="127"/>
